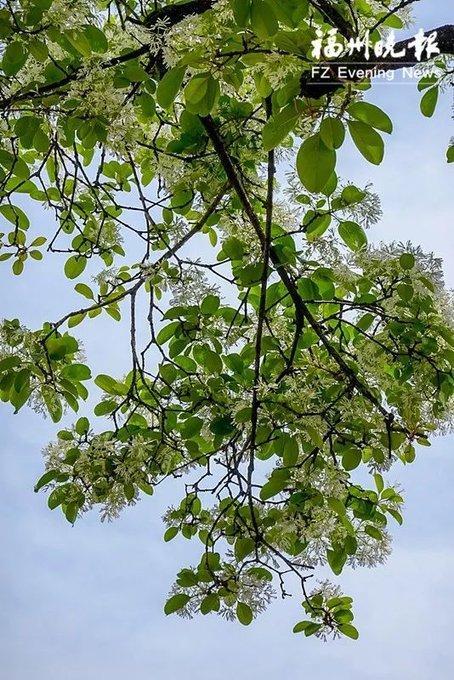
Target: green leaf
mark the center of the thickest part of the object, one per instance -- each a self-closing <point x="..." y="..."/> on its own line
<point x="39" y="50"/>
<point x="332" y="132"/>
<point x="392" y="20"/>
<point x="351" y="459"/>
<point x="61" y="347"/>
<point x="129" y="491"/>
<point x="427" y="81"/>
<point x="348" y="630"/>
<point x="263" y="19"/>
<point x="75" y="266"/>
<point x="213" y="362"/>
<point x="191" y="427"/>
<point x="450" y="154"/>
<point x="351" y="195"/>
<point x="147" y="105"/>
<point x="14" y="163"/>
<point x="372" y="115"/>
<point x="379" y="483"/>
<point x="145" y="487"/>
<point x="315" y="163"/>
<point x="75" y="320"/>
<point x="405" y="291"/>
<point x="54" y="407"/>
<point x="301" y="626"/>
<point x="244" y="613"/>
<point x="15" y="215"/>
<point x="18" y="267"/>
<point x="279" y="126"/>
<point x="26" y="128"/>
<point x="14" y="58"/>
<point x="96" y="38"/>
<point x="261" y="573"/>
<point x="82" y="426"/>
<point x="241" y="11"/>
<point x="105" y="407"/>
<point x="373" y="532"/>
<point x="429" y="102"/>
<point x="410" y="454"/>
<point x="210" y="603"/>
<point x="336" y="560"/>
<point x="396" y="515"/>
<point x="22" y="379"/>
<point x="175" y="603"/>
<point x="46" y="478"/>
<point x="57" y="497"/>
<point x="343" y="615"/>
<point x="72" y="455"/>
<point x="170" y="534"/>
<point x="315" y="436"/>
<point x="243" y="548"/>
<point x="222" y="426"/>
<point x="233" y="248"/>
<point x="18" y="399"/>
<point x="317" y="226"/>
<point x="169" y="86"/>
<point x="407" y="261"/>
<point x="78" y="41"/>
<point x="84" y="290"/>
<point x="272" y="488"/>
<point x="312" y="628"/>
<point x="210" y="305"/>
<point x="291" y="450"/>
<point x="71" y="510"/>
<point x="9" y="362"/>
<point x="134" y="72"/>
<point x="77" y="372"/>
<point x="368" y="141"/>
<point x="353" y="235"/>
<point x="166" y="333"/>
<point x="110" y="385"/>
<point x="187" y="578"/>
<point x="201" y="94"/>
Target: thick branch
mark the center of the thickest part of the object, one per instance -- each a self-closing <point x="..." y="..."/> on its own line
<point x="333" y="16"/>
<point x="302" y="311"/>
<point x="177" y="12"/>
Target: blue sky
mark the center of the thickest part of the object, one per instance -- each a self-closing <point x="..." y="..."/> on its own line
<point x="87" y="601"/>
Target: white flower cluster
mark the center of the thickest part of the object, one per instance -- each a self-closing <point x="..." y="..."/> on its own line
<point x="245" y="587"/>
<point x="68" y="14"/>
<point x="201" y="33"/>
<point x="192" y="286"/>
<point x="101" y="470"/>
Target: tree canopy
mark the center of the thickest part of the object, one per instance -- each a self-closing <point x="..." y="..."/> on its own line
<point x="187" y="155"/>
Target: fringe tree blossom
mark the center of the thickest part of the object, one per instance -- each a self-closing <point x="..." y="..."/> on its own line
<point x="280" y="368"/>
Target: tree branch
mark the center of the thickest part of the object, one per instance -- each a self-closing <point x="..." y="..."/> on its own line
<point x="173" y="13"/>
<point x="177" y="12"/>
<point x="302" y="311"/>
<point x="260" y="323"/>
<point x="333" y="16"/>
<point x="141" y="279"/>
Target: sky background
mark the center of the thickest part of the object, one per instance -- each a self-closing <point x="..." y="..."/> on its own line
<point x="86" y="601"/>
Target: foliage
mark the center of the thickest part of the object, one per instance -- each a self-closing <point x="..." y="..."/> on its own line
<point x="286" y="357"/>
